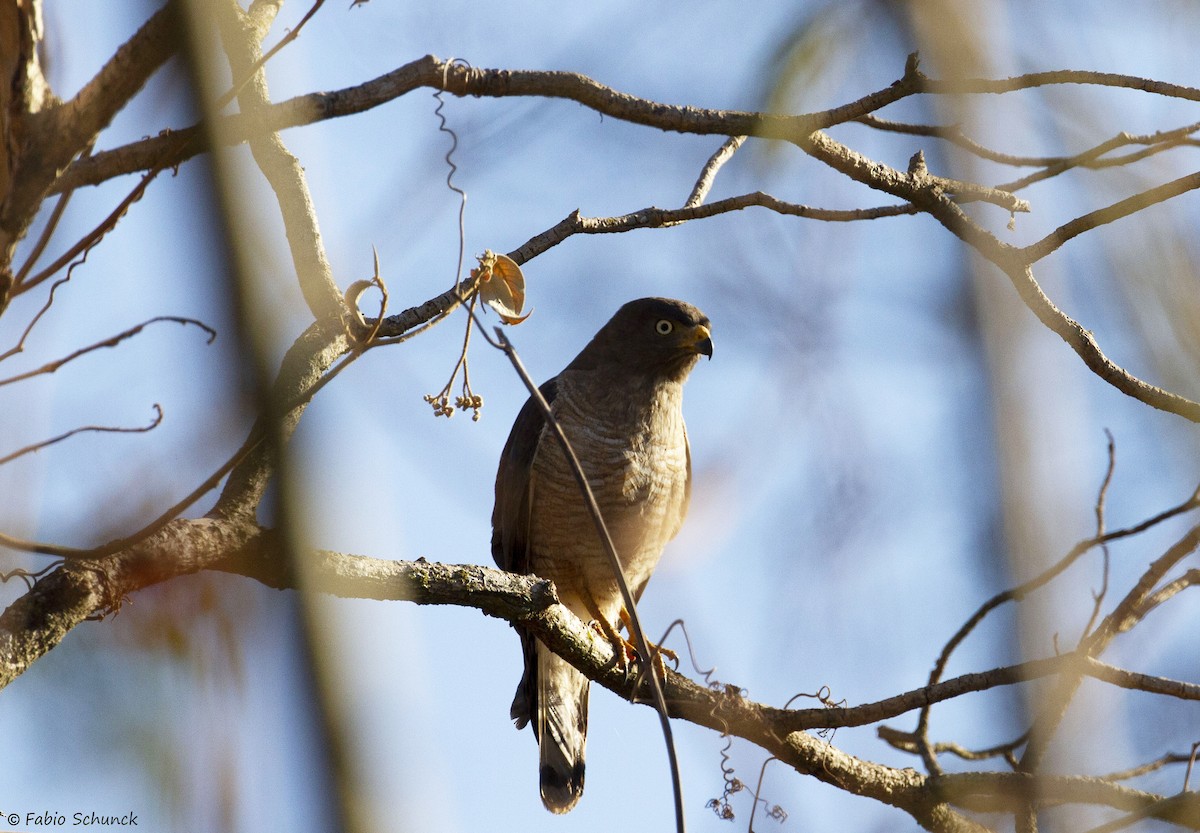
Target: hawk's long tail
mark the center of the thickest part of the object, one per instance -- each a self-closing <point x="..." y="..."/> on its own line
<point x="562" y="705"/>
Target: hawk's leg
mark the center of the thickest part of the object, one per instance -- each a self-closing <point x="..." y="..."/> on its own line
<point x="623" y="652"/>
<point x="657" y="652"/>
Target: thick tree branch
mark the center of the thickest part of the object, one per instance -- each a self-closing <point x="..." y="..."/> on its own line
<point x="460" y="80"/>
<point x="282" y="170"/>
<point x="58" y="602"/>
<point x="303" y="366"/>
<point x="58" y="134"/>
<point x="41" y="618"/>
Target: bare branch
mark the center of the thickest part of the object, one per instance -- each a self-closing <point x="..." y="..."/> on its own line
<point x="1101" y="216"/>
<point x="959" y="86"/>
<point x="990" y="792"/>
<point x="953" y="134"/>
<point x="1024" y="589"/>
<point x="709" y="173"/>
<point x="20" y="345"/>
<point x="104" y="429"/>
<point x="40" y="619"/>
<point x="112" y="341"/>
<point x="1015" y="262"/>
<point x="1189" y="579"/>
<point x="1146" y="768"/>
<point x="306" y="361"/>
<point x="651" y="217"/>
<point x="1183" y="804"/>
<point x="926" y="192"/>
<point x="92" y="238"/>
<point x="1092" y="158"/>
<point x="462" y="80"/>
<point x="1141" y="682"/>
<point x="239" y="546"/>
<point x="259" y="19"/>
<point x="913" y="186"/>
<point x="1126" y="613"/>
<point x="39" y="247"/>
<point x="1101" y="528"/>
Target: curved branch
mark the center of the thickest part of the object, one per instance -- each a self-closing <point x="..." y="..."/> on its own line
<point x="111" y="341"/>
<point x="305" y="362"/>
<point x="103" y="429"/>
<point x="917" y="187"/>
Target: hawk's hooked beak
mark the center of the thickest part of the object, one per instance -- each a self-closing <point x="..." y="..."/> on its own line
<point x="700" y="340"/>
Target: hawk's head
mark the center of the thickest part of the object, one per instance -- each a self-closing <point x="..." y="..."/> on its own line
<point x="658" y="337"/>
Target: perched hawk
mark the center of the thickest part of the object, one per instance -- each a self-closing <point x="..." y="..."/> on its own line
<point x="620" y="403"/>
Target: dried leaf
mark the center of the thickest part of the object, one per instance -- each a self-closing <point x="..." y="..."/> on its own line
<point x="502" y="286"/>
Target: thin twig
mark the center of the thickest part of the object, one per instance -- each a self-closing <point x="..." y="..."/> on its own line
<point x="1098" y="164"/>
<point x="652" y="217"/>
<point x="907" y="742"/>
<point x="1109" y="214"/>
<point x="112" y="341"/>
<point x="1187" y="775"/>
<point x="1092" y="158"/>
<point x="1021" y="591"/>
<point x="103" y="429"/>
<point x="1127" y="612"/>
<point x="155" y="526"/>
<point x="708" y="173"/>
<point x="89" y="241"/>
<point x="976" y="86"/>
<point x="60" y="206"/>
<point x="20" y="345"/>
<point x="1189" y="579"/>
<point x="1101" y="499"/>
<point x="1147" y="768"/>
<point x="1164" y="808"/>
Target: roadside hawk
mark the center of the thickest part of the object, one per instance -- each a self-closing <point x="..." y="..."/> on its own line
<point x="620" y="404"/>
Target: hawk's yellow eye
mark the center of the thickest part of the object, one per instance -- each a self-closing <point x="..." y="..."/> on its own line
<point x="663" y="327"/>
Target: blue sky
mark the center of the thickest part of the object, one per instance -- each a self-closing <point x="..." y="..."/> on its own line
<point x="883" y="438"/>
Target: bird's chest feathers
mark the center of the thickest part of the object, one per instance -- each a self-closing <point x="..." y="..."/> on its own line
<point x="633" y="450"/>
<point x="632" y="444"/>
